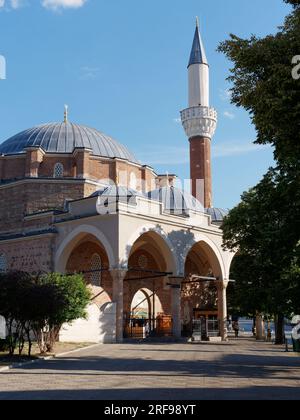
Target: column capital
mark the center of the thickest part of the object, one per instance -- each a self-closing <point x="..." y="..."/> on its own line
<point x="118" y="273"/>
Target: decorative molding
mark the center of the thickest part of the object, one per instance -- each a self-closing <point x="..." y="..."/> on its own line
<point x="199" y="121"/>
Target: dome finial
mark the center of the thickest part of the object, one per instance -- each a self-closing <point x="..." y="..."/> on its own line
<point x="66" y="114"/>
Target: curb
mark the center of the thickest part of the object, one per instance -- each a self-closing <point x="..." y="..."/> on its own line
<point x="44" y="359"/>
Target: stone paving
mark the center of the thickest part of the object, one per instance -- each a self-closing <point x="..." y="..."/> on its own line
<point x="242" y="369"/>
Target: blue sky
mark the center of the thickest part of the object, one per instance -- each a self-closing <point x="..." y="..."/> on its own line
<point x="121" y="68"/>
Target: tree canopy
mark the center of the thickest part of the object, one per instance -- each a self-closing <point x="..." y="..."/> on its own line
<point x="265" y="227"/>
<point x="263" y="85"/>
<point x="40" y="304"/>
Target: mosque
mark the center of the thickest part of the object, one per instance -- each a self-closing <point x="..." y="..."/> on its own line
<point x="74" y="200"/>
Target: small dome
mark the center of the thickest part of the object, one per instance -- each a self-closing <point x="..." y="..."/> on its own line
<point x="176" y="201"/>
<point x="217" y="215"/>
<point x="65" y="138"/>
<point x="117" y="192"/>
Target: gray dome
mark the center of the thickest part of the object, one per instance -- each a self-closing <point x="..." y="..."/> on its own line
<point x="117" y="192"/>
<point x="176" y="201"/>
<point x="64" y="138"/>
<point x="217" y="215"/>
<point x="112" y="194"/>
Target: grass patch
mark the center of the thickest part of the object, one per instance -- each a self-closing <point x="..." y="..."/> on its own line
<point x="6" y="360"/>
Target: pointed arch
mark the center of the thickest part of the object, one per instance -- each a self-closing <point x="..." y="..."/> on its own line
<point x="163" y="243"/>
<point x="66" y="247"/>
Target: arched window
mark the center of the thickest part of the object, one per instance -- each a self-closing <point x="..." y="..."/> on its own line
<point x="58" y="171"/>
<point x="96" y="274"/>
<point x="3" y="263"/>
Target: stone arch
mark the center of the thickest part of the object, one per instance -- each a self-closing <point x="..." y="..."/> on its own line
<point x="212" y="252"/>
<point x="152" y="243"/>
<point x="154" y="308"/>
<point x="66" y="247"/>
<point x="229" y="261"/>
<point x="162" y="240"/>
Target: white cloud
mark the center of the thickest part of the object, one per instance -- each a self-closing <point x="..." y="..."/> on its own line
<point x="89" y="73"/>
<point x="63" y="4"/>
<point x="225" y="94"/>
<point x="177" y="120"/>
<point x="12" y="4"/>
<point x="180" y="155"/>
<point x="165" y="156"/>
<point x="229" y="115"/>
<point x="16" y="4"/>
<point x="235" y="149"/>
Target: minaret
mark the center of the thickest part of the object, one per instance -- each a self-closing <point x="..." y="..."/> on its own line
<point x="199" y="122"/>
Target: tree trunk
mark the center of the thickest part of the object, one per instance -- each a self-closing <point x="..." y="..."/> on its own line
<point x="279" y="329"/>
<point x="29" y="341"/>
<point x="21" y="343"/>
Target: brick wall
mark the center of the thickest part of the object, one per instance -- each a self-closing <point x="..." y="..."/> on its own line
<point x="33" y="255"/>
<point x="200" y="162"/>
<point x="19" y="199"/>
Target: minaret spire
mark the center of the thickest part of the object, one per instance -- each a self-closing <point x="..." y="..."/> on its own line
<point x="199" y="122"/>
<point x="198" y="55"/>
<point x="66" y="114"/>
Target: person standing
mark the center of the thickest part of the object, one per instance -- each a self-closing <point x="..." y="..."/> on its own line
<point x="236" y="328"/>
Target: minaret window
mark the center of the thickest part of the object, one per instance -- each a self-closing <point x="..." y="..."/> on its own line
<point x="3" y="263"/>
<point x="96" y="267"/>
<point x="58" y="170"/>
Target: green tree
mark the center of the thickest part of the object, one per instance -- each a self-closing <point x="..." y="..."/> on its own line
<point x="14" y="288"/>
<point x="246" y="296"/>
<point x="263" y="85"/>
<point x="40" y="305"/>
<point x="62" y="299"/>
<point x="265" y="227"/>
<point x="259" y="229"/>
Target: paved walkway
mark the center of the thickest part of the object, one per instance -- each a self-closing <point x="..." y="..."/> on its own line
<point x="240" y="369"/>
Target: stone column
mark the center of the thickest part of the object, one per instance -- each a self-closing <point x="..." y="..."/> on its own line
<point x="222" y="308"/>
<point x="118" y="277"/>
<point x="176" y="306"/>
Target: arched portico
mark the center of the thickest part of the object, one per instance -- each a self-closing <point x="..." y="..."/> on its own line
<point x="150" y="258"/>
<point x="68" y="243"/>
<point x="163" y="244"/>
<point x="211" y="250"/>
<point x="203" y="299"/>
<point x="86" y="250"/>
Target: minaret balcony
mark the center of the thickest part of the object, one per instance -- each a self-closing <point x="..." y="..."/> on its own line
<point x="199" y="121"/>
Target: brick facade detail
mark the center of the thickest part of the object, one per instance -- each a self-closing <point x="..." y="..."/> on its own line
<point x="201" y="172"/>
